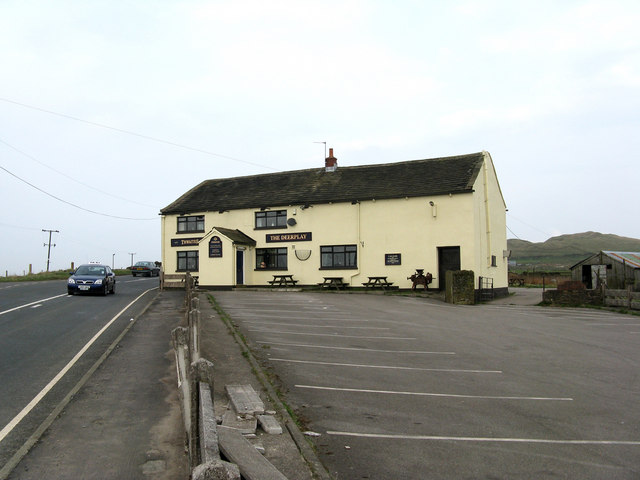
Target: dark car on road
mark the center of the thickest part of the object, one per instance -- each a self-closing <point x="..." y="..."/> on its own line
<point x="148" y="269"/>
<point x="92" y="277"/>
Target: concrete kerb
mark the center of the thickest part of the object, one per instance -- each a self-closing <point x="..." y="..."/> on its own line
<point x="305" y="448"/>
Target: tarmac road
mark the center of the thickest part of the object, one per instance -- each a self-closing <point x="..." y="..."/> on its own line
<point x="124" y="422"/>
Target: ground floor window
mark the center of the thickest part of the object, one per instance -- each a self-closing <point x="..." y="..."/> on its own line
<point x="188" y="261"/>
<point x="271" y="258"/>
<point x="338" y="256"/>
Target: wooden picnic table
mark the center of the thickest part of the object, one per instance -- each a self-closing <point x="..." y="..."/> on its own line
<point x="337" y="282"/>
<point x="375" y="282"/>
<point x="283" y="281"/>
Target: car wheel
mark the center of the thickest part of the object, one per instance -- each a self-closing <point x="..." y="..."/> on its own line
<point x="134" y="274"/>
<point x="105" y="290"/>
<point x="113" y="289"/>
<point x="69" y="291"/>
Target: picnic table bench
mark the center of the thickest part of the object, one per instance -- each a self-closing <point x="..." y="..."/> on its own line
<point x="375" y="282"/>
<point x="336" y="282"/>
<point x="283" y="281"/>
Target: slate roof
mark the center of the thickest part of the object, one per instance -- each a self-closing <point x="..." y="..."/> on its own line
<point x="429" y="177"/>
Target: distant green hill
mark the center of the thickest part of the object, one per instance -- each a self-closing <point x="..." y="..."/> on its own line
<point x="560" y="253"/>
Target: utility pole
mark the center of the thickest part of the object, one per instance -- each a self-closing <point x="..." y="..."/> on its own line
<point x="113" y="261"/>
<point x="49" y="245"/>
<point x="132" y="254"/>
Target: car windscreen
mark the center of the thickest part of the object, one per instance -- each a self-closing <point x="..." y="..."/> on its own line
<point x="89" y="270"/>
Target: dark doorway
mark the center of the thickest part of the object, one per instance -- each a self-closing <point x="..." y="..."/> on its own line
<point x="586" y="276"/>
<point x="448" y="259"/>
<point x="239" y="267"/>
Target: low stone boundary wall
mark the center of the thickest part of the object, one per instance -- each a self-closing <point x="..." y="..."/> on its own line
<point x="622" y="298"/>
<point x="598" y="297"/>
<point x="572" y="297"/>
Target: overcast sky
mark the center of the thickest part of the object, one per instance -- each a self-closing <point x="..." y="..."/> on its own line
<point x="110" y="110"/>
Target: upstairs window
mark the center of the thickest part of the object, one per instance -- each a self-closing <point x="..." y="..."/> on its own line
<point x="191" y="224"/>
<point x="271" y="219"/>
<point x="338" y="256"/>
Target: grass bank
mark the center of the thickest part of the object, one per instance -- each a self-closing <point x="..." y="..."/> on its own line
<point x="56" y="275"/>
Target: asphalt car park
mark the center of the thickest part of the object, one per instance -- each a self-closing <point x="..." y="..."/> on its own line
<point x="406" y="387"/>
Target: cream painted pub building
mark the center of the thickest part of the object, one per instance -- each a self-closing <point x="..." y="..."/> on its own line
<point x="353" y="222"/>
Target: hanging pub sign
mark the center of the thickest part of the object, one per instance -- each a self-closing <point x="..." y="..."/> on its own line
<point x="393" y="259"/>
<point x="288" y="237"/>
<point x="184" y="242"/>
<point x="215" y="247"/>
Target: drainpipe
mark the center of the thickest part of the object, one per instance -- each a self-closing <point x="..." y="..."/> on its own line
<point x="486" y="210"/>
<point x="359" y="247"/>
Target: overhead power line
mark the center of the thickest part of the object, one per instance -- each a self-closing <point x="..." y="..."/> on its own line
<point x="135" y="134"/>
<point x="73" y="179"/>
<point x="69" y="203"/>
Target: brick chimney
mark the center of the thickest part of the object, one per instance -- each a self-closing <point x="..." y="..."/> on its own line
<point x="331" y="162"/>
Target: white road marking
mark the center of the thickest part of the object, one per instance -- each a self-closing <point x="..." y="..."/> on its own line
<point x="269" y="310"/>
<point x="427" y="394"/>
<point x="390" y="367"/>
<point x="37" y="306"/>
<point x="329" y="347"/>
<point x="615" y="324"/>
<point x="338" y="335"/>
<point x="32" y="303"/>
<point x="486" y="439"/>
<point x="25" y="411"/>
<point x="296" y="316"/>
<point x="314" y="326"/>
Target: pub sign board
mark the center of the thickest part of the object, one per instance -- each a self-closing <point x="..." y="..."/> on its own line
<point x="288" y="237"/>
<point x="185" y="242"/>
<point x="393" y="259"/>
<point x="215" y="247"/>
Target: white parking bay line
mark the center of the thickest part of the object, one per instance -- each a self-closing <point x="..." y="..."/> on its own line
<point x="296" y="316"/>
<point x="389" y="367"/>
<point x="428" y="394"/>
<point x="358" y="349"/>
<point x="486" y="439"/>
<point x="289" y="324"/>
<point x="337" y="335"/>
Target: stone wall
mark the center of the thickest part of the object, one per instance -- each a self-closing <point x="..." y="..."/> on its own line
<point x="573" y="297"/>
<point x="460" y="287"/>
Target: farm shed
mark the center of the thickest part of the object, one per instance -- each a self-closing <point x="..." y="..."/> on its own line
<point x="615" y="270"/>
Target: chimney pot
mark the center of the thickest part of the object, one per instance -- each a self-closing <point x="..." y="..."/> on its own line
<point x="331" y="162"/>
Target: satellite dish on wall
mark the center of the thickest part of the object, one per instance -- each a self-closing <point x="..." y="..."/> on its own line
<point x="291" y="222"/>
